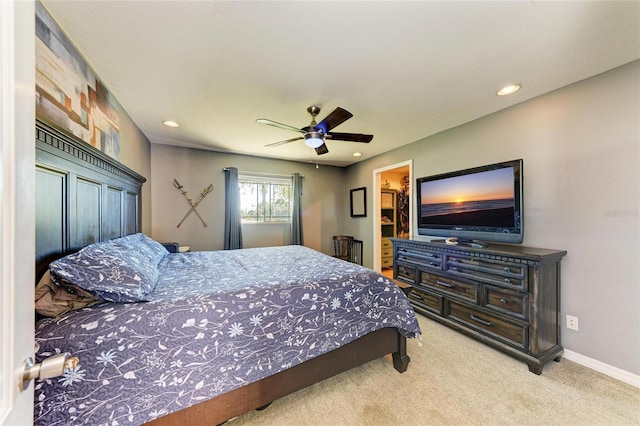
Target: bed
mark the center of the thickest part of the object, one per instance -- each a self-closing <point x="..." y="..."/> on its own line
<point x="197" y="337"/>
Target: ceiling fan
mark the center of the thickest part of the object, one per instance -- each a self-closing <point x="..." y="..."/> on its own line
<point x="315" y="134"/>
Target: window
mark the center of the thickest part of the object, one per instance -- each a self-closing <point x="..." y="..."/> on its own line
<point x="265" y="199"/>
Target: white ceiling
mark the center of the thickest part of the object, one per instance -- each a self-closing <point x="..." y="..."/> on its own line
<point x="406" y="70"/>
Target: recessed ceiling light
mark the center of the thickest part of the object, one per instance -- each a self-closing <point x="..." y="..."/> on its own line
<point x="357" y="154"/>
<point x="507" y="90"/>
<point x="170" y="123"/>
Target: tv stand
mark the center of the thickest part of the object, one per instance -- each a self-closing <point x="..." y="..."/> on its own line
<point x="505" y="296"/>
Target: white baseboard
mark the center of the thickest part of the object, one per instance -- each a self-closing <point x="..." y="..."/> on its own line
<point x="601" y="367"/>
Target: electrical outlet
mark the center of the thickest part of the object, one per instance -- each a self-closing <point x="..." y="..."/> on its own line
<point x="572" y="322"/>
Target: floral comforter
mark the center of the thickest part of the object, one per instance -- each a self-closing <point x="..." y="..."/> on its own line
<point x="216" y="321"/>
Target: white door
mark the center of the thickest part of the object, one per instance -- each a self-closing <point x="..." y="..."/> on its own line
<point x="17" y="204"/>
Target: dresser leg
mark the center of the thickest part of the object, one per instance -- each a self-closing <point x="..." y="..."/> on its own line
<point x="535" y="368"/>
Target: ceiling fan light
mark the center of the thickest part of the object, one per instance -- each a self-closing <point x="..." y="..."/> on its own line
<point x="313" y="140"/>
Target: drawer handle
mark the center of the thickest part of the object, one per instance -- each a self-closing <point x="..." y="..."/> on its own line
<point x="503" y="301"/>
<point x="481" y="321"/>
<point x="507" y="269"/>
<point x="442" y="283"/>
<point x="507" y="280"/>
<point x="455" y="269"/>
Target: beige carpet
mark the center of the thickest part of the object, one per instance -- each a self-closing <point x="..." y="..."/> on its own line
<point x="454" y="380"/>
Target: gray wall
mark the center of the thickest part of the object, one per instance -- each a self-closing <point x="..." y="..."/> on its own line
<point x="135" y="153"/>
<point x="322" y="199"/>
<point x="581" y="151"/>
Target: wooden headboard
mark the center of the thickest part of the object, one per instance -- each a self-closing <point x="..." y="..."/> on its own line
<point x="82" y="196"/>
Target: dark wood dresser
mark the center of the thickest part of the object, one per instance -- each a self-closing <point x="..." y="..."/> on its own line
<point x="506" y="296"/>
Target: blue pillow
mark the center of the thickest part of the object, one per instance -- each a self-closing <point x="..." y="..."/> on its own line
<point x="121" y="270"/>
<point x="150" y="248"/>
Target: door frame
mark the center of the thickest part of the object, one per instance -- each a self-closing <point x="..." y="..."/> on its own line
<point x="17" y="205"/>
<point x="377" y="249"/>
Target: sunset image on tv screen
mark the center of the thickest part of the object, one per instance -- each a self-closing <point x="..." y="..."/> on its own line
<point x="478" y="199"/>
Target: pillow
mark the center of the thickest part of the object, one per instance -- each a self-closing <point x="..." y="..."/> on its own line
<point x="150" y="248"/>
<point x="53" y="300"/>
<point x="120" y="270"/>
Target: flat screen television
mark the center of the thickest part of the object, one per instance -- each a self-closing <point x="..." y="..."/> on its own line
<point x="477" y="205"/>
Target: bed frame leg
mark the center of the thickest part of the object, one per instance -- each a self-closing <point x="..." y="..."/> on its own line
<point x="400" y="358"/>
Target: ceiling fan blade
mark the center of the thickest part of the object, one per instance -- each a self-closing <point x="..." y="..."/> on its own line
<point x="284" y="142"/>
<point x="278" y="125"/>
<point x="337" y="117"/>
<point x="350" y="137"/>
<point x="322" y="149"/>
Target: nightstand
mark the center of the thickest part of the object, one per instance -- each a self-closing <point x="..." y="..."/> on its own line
<point x="171" y="247"/>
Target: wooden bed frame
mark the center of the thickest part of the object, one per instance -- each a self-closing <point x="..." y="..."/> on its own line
<point x="84" y="196"/>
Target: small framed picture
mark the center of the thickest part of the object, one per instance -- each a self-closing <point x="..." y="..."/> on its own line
<point x="359" y="202"/>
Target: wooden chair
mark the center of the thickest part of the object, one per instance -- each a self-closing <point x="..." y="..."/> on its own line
<point x="343" y="247"/>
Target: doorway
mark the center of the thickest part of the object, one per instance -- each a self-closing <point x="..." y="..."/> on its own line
<point x="393" y="212"/>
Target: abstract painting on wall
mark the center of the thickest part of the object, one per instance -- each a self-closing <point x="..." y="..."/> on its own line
<point x="69" y="95"/>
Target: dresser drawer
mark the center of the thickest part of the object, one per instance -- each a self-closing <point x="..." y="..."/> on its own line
<point x="426" y="300"/>
<point x="511" y="333"/>
<point x="458" y="288"/>
<point x="386" y="244"/>
<point x="508" y="302"/>
<point x="505" y="274"/>
<point x="387" y="262"/>
<point x="424" y="258"/>
<point x="408" y="273"/>
<point x="387" y="252"/>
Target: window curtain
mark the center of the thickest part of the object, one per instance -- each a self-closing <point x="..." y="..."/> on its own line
<point x="296" y="216"/>
<point x="232" y="219"/>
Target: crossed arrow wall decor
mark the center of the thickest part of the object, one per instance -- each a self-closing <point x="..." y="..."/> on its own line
<point x="193" y="205"/>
